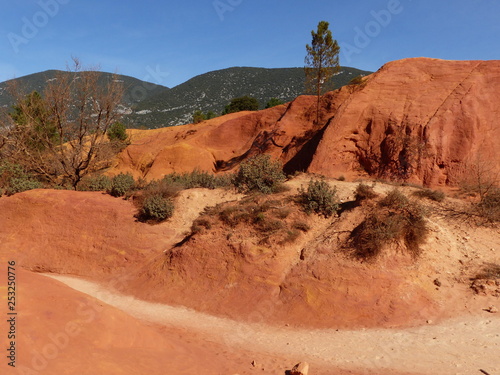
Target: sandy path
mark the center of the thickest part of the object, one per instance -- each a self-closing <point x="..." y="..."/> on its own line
<point x="458" y="346"/>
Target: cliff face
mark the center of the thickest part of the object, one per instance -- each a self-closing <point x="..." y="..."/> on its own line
<point x="423" y="120"/>
<point x="420" y="119"/>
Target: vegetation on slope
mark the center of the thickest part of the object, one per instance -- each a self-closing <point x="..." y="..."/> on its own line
<point x="212" y="91"/>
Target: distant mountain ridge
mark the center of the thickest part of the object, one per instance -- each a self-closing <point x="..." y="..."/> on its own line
<point x="154" y="106"/>
<point x="135" y="89"/>
<point x="212" y="91"/>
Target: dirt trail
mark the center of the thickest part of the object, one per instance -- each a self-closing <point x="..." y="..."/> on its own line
<point x="458" y="346"/>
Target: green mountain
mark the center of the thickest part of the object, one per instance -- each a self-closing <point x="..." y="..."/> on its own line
<point x="214" y="90"/>
<point x="153" y="106"/>
<point x="135" y="89"/>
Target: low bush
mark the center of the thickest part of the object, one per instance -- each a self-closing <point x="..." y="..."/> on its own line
<point x="319" y="197"/>
<point x="364" y="192"/>
<point x="290" y="236"/>
<point x="397" y="221"/>
<point x="156" y="207"/>
<point x="14" y="179"/>
<point x="265" y="224"/>
<point x="233" y="215"/>
<point x="20" y="184"/>
<point x="198" y="179"/>
<point x="121" y="184"/>
<point x="199" y="224"/>
<point x="260" y="173"/>
<point x="358" y="81"/>
<point x="489" y="206"/>
<point x="251" y="211"/>
<point x="265" y="217"/>
<point x="117" y="133"/>
<point x="95" y="183"/>
<point x="302" y="226"/>
<point x="394" y="199"/>
<point x="244" y="103"/>
<point x="164" y="187"/>
<point x="435" y="195"/>
<point x="273" y="102"/>
<point x="155" y="201"/>
<point x="283" y="213"/>
<point x="489" y="271"/>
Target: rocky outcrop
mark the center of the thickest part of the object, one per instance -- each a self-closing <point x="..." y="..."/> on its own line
<point x="422" y="120"/>
<point x="301" y="368"/>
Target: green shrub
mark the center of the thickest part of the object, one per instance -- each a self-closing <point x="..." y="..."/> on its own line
<point x="358" y="81"/>
<point x="13" y="179"/>
<point x="244" y="103"/>
<point x="155" y="200"/>
<point x="9" y="170"/>
<point x="198" y="116"/>
<point x="95" y="183"/>
<point x="319" y="197"/>
<point x="341" y="178"/>
<point x="18" y="185"/>
<point x="156" y="207"/>
<point x="260" y="173"/>
<point x="435" y="195"/>
<point x="363" y="192"/>
<point x="121" y="184"/>
<point x="117" y="132"/>
<point x="273" y="102"/>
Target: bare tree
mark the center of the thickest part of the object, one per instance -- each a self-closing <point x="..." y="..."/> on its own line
<point x="61" y="134"/>
<point x="480" y="175"/>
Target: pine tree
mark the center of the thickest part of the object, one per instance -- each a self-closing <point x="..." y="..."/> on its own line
<point x="321" y="62"/>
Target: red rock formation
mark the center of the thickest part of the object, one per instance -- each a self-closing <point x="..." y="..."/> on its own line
<point x="423" y="120"/>
<point x="419" y="119"/>
<point x="82" y="233"/>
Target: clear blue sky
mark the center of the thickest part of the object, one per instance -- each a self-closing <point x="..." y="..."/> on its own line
<point x="168" y="42"/>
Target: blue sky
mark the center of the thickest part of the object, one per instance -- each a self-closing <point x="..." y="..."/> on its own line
<point x="168" y="42"/>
